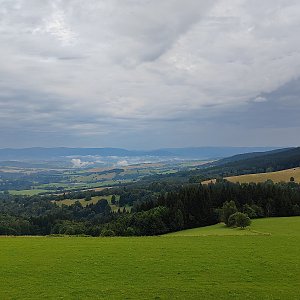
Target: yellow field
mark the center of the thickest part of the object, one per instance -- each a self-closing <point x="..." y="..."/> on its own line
<point x="278" y="176"/>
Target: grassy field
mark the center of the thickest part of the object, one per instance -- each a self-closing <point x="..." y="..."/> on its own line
<point x="94" y="200"/>
<point x="278" y="176"/>
<point x="28" y="192"/>
<point x="204" y="263"/>
<point x="83" y="202"/>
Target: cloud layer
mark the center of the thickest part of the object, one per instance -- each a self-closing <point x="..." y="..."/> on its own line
<point x="145" y="74"/>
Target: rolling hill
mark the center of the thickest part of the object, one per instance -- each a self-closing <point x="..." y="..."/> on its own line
<point x="203" y="263"/>
<point x="279" y="176"/>
<point x="254" y="163"/>
<point x="248" y="163"/>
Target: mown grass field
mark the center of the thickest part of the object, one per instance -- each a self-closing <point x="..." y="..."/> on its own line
<point x="204" y="263"/>
<point x="279" y="176"/>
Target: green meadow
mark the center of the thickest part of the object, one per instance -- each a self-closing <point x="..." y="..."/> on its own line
<point x="28" y="192"/>
<point x="262" y="262"/>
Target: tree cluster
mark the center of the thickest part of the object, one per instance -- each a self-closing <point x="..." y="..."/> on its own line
<point x="156" y="209"/>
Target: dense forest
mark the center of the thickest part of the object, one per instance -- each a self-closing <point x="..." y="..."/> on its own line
<point x="275" y="160"/>
<point x="156" y="209"/>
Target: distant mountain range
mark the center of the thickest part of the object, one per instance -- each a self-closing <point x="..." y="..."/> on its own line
<point x="39" y="153"/>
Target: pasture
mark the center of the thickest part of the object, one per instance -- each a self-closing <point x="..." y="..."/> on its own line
<point x="279" y="176"/>
<point x="28" y="192"/>
<point x="93" y="200"/>
<point x="202" y="263"/>
<point x="84" y="202"/>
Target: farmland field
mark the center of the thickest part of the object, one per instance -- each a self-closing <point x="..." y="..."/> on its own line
<point x="278" y="176"/>
<point x="28" y="192"/>
<point x="203" y="263"/>
<point x="83" y="202"/>
<point x="47" y="179"/>
<point x="93" y="200"/>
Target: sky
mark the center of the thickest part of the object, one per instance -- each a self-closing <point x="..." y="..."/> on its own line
<point x="146" y="74"/>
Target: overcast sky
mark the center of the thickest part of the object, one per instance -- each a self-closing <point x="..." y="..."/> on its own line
<point x="149" y="73"/>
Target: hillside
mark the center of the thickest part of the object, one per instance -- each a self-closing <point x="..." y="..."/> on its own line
<point x="272" y="161"/>
<point x="275" y="161"/>
<point x="248" y="163"/>
<point x="207" y="266"/>
<point x="279" y="176"/>
<point x="267" y="226"/>
<point x="244" y="156"/>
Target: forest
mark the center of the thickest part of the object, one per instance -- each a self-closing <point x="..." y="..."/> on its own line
<point x="156" y="209"/>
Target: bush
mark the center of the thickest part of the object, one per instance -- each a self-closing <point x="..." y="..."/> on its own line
<point x="249" y="211"/>
<point x="107" y="232"/>
<point x="239" y="219"/>
<point x="258" y="211"/>
<point x="232" y="220"/>
<point x="227" y="210"/>
<point x="130" y="231"/>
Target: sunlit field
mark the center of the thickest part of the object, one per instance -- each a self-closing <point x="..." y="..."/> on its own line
<point x="279" y="176"/>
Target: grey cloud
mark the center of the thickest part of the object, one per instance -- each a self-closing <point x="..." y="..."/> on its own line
<point x="93" y="72"/>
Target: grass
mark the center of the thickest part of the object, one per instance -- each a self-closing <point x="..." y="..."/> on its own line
<point x="61" y="187"/>
<point x="28" y="192"/>
<point x="271" y="226"/>
<point x="212" y="265"/>
<point x="84" y="203"/>
<point x="279" y="176"/>
<point x="217" y="230"/>
<point x="94" y="200"/>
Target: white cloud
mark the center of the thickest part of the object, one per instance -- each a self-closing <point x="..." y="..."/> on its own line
<point x="122" y="163"/>
<point x="78" y="163"/>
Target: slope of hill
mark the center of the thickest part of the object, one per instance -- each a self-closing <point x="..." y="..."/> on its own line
<point x="266" y="226"/>
<point x="249" y="163"/>
<point x="214" y="152"/>
<point x="167" y="267"/>
<point x="243" y="156"/>
<point x="265" y="162"/>
<point x="278" y="176"/>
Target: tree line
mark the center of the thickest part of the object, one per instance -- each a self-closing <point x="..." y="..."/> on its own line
<point x="156" y="209"/>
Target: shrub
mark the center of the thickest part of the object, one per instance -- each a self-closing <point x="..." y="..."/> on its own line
<point x="227" y="210"/>
<point x="249" y="211"/>
<point x="130" y="231"/>
<point x="232" y="220"/>
<point x="107" y="232"/>
<point x="239" y="219"/>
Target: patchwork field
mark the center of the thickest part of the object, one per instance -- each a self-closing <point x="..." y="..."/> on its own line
<point x="203" y="263"/>
<point x="49" y="179"/>
<point x="28" y="192"/>
<point x="93" y="200"/>
<point x="278" y="176"/>
<point x="83" y="202"/>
